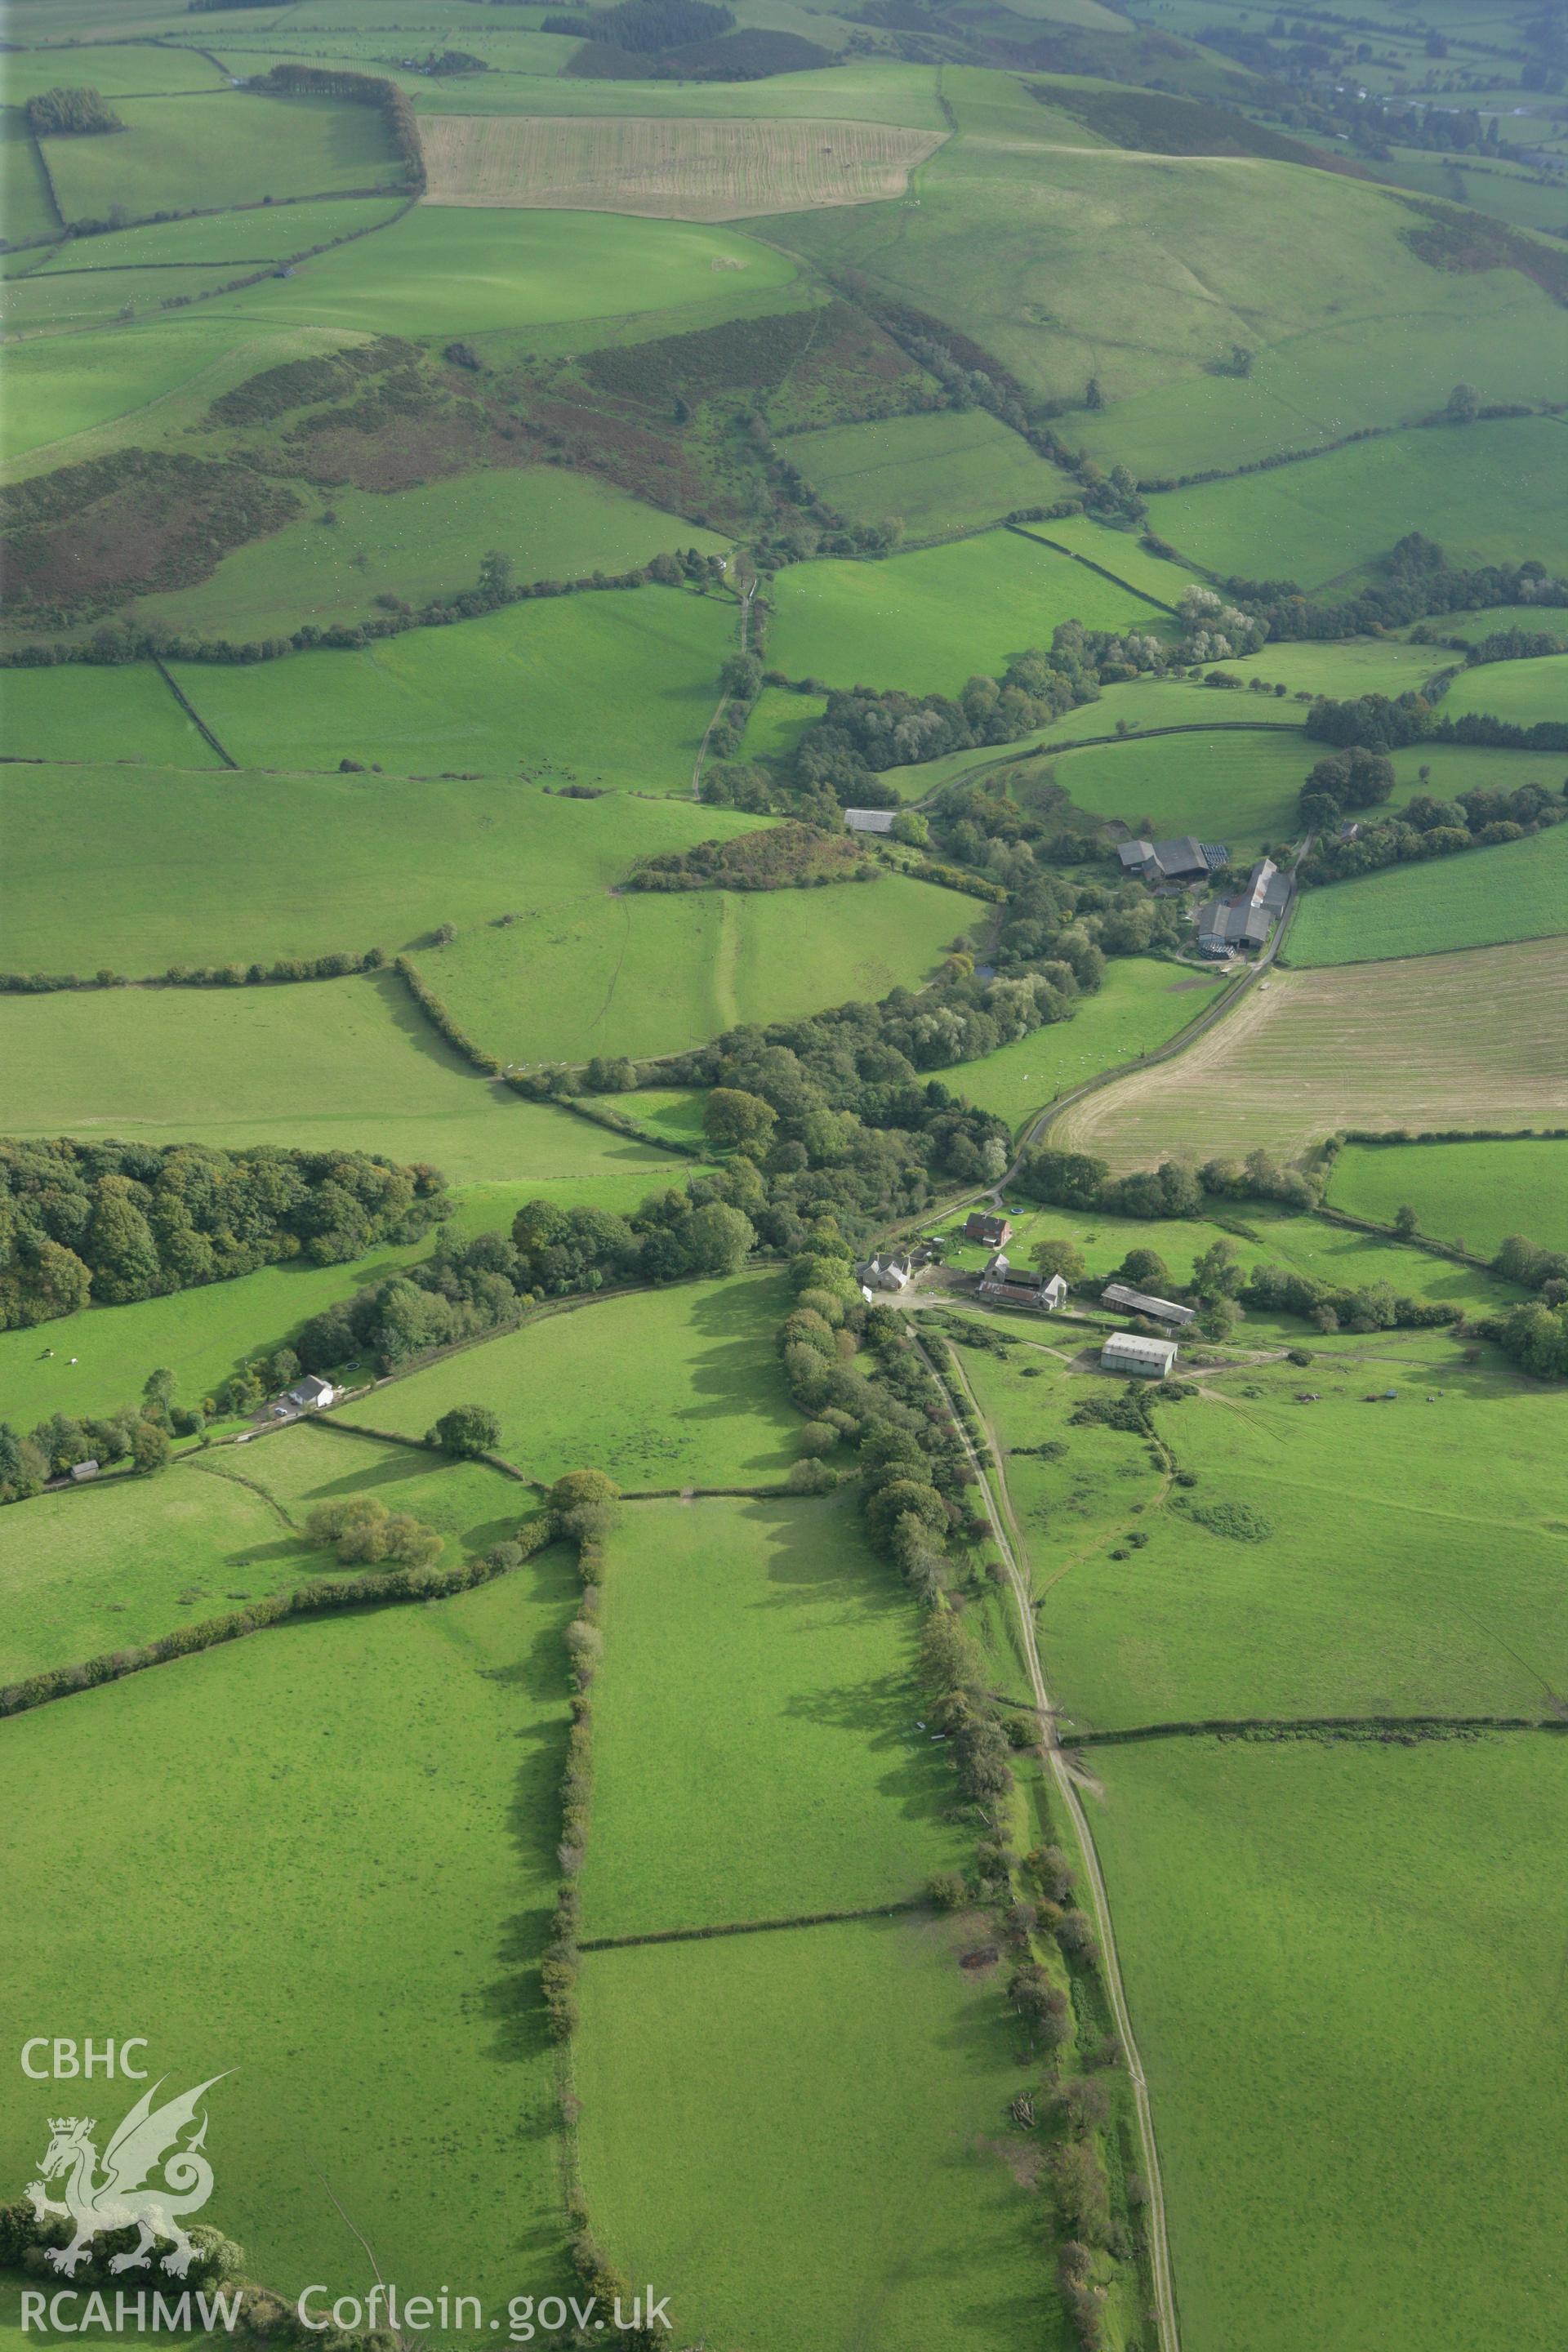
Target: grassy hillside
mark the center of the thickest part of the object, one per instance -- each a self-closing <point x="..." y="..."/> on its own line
<point x="1516" y="891"/>
<point x="1334" y="1955"/>
<point x="524" y="686"/>
<point x="108" y="715"/>
<point x="653" y="974"/>
<point x="1523" y="692"/>
<point x="347" y="1064"/>
<point x="928" y="621"/>
<point x="236" y="148"/>
<point x="1485" y="494"/>
<point x="945" y="471"/>
<point x="418" y="544"/>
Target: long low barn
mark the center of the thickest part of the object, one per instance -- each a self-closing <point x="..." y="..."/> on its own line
<point x="1141" y="1302"/>
<point x="1124" y="1351"/>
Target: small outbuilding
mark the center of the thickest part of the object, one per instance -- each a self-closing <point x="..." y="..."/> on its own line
<point x="83" y="1470"/>
<point x="982" y="1225"/>
<point x="1141" y="1302"/>
<point x="869" y="820"/>
<point x="1124" y="1351"/>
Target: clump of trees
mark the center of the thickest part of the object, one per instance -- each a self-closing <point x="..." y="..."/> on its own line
<point x="364" y="1533"/>
<point x="1479" y="818"/>
<point x="466" y="1432"/>
<point x="112" y="1222"/>
<point x="139" y="1435"/>
<point x="1076" y="1180"/>
<point x="70" y="112"/>
<point x="777" y="858"/>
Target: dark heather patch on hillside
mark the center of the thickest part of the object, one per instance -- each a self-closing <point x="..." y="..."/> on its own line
<point x="814" y="349"/>
<point x="751" y="55"/>
<point x="83" y="539"/>
<point x="1158" y="125"/>
<point x="302" y="384"/>
<point x="1463" y="242"/>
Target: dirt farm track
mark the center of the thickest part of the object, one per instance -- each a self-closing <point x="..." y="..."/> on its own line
<point x="696" y="170"/>
<point x="1476" y="1040"/>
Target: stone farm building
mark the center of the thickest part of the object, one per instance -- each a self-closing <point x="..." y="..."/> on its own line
<point x="1246" y="919"/>
<point x="1141" y="1302"/>
<point x="1015" y="1285"/>
<point x="1124" y="1351"/>
<point x="887" y="1273"/>
<point x="981" y="1225"/>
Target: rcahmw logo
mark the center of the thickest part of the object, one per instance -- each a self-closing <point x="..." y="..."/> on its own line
<point x="149" y="2177"/>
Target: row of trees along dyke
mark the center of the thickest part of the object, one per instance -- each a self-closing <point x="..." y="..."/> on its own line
<point x="867" y="1390"/>
<point x="115" y="643"/>
<point x="1381" y="722"/>
<point x="1479" y="818"/>
<point x="281" y="972"/>
<point x="582" y="1509"/>
<point x="70" y="112"/>
<point x="357" y="90"/>
<point x="110" y="1222"/>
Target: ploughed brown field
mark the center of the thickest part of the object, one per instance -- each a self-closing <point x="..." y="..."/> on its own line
<point x="1471" y="1040"/>
<point x="678" y="171"/>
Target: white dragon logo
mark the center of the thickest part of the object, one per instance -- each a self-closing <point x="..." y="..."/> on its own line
<point x="144" y="2143"/>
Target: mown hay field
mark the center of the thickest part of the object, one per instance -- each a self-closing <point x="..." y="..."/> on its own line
<point x="704" y="170"/>
<point x="1468" y="1040"/>
<point x="1474" y="1194"/>
<point x="756" y="1755"/>
<point x="1518" y="890"/>
<point x="339" y="1824"/>
<point x="1339" y="1958"/>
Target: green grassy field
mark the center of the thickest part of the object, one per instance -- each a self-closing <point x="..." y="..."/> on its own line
<point x="1475" y="1194"/>
<point x="118" y="71"/>
<point x="927" y="621"/>
<point x="1142" y="1003"/>
<point x="525" y="686"/>
<point x="654" y="973"/>
<point x="1307" y="1053"/>
<point x="202" y="869"/>
<point x="422" y="543"/>
<point x="116" y="1564"/>
<point x="1516" y="891"/>
<point x="861" y="90"/>
<point x="236" y="148"/>
<point x="1411" y="1564"/>
<point x="1485" y="494"/>
<point x="80" y="395"/>
<point x="661" y="1389"/>
<point x="1472" y="627"/>
<point x="890" y="2072"/>
<point x="1118" y="551"/>
<point x="472" y="1505"/>
<point x="226" y="240"/>
<point x="1522" y="691"/>
<point x="754" y="1648"/>
<point x="941" y="472"/>
<point x="71" y="300"/>
<point x="778" y="722"/>
<point x="328" y="1065"/>
<point x="349" y="1828"/>
<point x="456" y="272"/>
<point x="1338" y="1960"/>
<point x="27" y="210"/>
<point x="80" y="713"/>
<point x="1239" y="788"/>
